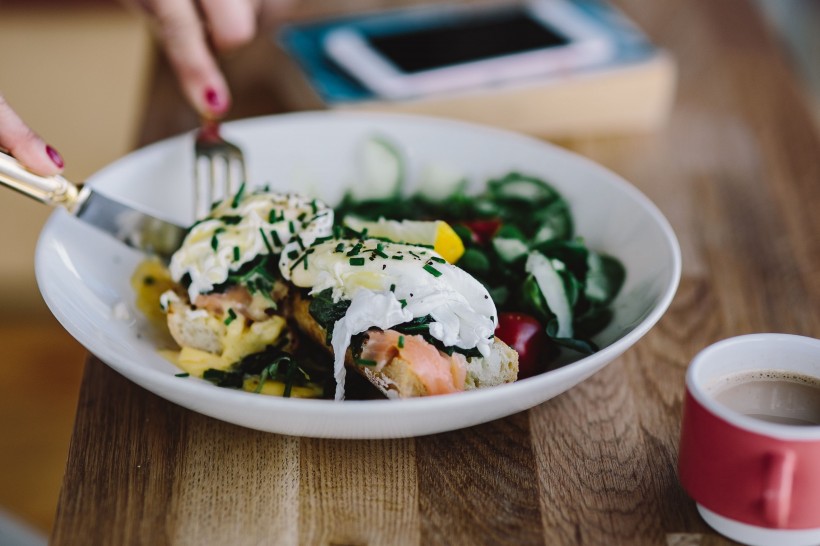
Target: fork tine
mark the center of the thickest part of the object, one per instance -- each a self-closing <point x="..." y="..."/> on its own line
<point x="202" y="191"/>
<point x="236" y="172"/>
<point x="224" y="172"/>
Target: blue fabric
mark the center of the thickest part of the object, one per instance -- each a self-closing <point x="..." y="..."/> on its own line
<point x="304" y="43"/>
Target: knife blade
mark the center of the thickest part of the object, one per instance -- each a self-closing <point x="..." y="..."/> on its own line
<point x="133" y="227"/>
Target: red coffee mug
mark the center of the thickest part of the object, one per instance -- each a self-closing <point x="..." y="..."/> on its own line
<point x="754" y="481"/>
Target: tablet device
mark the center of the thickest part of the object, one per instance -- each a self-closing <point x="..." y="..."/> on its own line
<point x="420" y="53"/>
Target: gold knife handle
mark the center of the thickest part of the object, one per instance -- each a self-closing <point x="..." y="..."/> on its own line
<point x="52" y="190"/>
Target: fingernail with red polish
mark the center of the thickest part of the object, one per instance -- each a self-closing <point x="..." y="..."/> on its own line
<point x="214" y="100"/>
<point x="56" y="158"/>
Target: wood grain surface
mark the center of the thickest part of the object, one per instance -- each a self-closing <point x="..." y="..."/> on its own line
<point x="735" y="171"/>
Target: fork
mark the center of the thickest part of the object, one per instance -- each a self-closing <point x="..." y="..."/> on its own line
<point x="219" y="167"/>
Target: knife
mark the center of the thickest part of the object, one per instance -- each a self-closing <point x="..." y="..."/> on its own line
<point x="133" y="227"/>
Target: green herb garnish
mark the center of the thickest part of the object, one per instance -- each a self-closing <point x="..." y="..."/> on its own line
<point x="230" y="220"/>
<point x="238" y="197"/>
<point x="432" y="270"/>
<point x="265" y="240"/>
<point x="276" y="240"/>
<point x="231" y="317"/>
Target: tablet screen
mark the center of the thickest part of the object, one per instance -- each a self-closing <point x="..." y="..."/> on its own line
<point x="465" y="39"/>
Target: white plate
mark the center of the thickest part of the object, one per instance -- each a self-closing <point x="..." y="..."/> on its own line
<point x="84" y="275"/>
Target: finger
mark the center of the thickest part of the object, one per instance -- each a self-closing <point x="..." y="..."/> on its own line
<point x="232" y="23"/>
<point x="25" y="145"/>
<point x="183" y="38"/>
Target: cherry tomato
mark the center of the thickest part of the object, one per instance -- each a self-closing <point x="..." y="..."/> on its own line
<point x="483" y="230"/>
<point x="527" y="336"/>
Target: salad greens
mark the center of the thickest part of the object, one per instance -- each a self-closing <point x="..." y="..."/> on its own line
<point x="520" y="242"/>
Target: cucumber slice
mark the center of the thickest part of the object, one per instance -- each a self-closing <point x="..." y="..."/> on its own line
<point x="509" y="250"/>
<point x="439" y="181"/>
<point x="552" y="287"/>
<point x="520" y="187"/>
<point x="381" y="170"/>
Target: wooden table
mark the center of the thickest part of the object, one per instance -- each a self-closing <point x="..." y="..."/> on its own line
<point x="736" y="171"/>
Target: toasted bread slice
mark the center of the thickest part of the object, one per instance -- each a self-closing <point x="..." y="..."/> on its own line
<point x="397" y="378"/>
<point x="229" y="338"/>
<point x="195" y="328"/>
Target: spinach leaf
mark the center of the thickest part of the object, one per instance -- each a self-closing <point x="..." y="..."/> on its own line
<point x="604" y="279"/>
<point x="326" y="312"/>
<point x="421" y="327"/>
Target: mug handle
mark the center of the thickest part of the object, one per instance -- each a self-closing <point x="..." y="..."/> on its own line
<point x="778" y="487"/>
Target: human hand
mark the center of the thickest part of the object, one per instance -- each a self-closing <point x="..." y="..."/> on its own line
<point x="25" y="145"/>
<point x="189" y="30"/>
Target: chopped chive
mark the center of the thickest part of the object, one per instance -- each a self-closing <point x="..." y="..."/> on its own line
<point x="275" y="236"/>
<point x="403" y="303"/>
<point x="231" y="317"/>
<point x="432" y="270"/>
<point x="265" y="240"/>
<point x="401" y="342"/>
<point x="355" y="250"/>
<point x="291" y="227"/>
<point x="439" y="260"/>
<point x="300" y="243"/>
<point x="236" y="253"/>
<point x="340" y="247"/>
<point x="293" y="254"/>
<point x="397" y="257"/>
<point x="365" y="362"/>
<point x="392" y="287"/>
<point x="415" y="328"/>
<point x="214" y="242"/>
<point x="416" y="256"/>
<point x="238" y="197"/>
<point x="230" y="220"/>
<point x="183" y="374"/>
<point x="356" y="261"/>
<point x="314" y="206"/>
<point x="302" y="258"/>
<point x="380" y="251"/>
<point x="272" y="216"/>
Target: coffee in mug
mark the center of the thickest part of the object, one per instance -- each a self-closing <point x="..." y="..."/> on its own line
<point x="750" y="439"/>
<point x="775" y="396"/>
